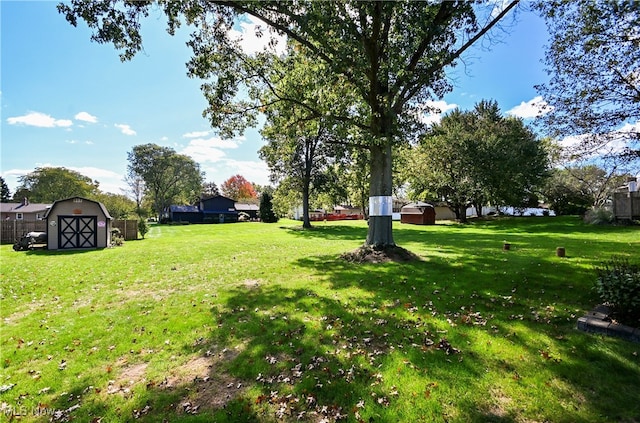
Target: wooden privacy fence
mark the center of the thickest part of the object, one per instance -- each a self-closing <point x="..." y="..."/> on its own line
<point x="626" y="205"/>
<point x="12" y="230"/>
<point x="128" y="228"/>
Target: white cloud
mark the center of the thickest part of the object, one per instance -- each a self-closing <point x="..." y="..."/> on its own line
<point x="210" y="150"/>
<point x="109" y="180"/>
<point x="40" y="120"/>
<point x="164" y="139"/>
<point x="125" y="129"/>
<point x="530" y="109"/>
<point x="86" y="117"/>
<point x="254" y="171"/>
<point x="251" y="43"/>
<point x="432" y="111"/>
<point x="196" y="134"/>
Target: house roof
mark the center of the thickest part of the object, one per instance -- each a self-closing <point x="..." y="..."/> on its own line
<point x="184" y="209"/>
<point x="217" y="196"/>
<point x="21" y="208"/>
<point x="102" y="207"/>
<point x="247" y="207"/>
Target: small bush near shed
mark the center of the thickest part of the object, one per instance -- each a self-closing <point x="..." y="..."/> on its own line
<point x="618" y="285"/>
<point x="143" y="228"/>
<point x="117" y="239"/>
<point x="599" y="216"/>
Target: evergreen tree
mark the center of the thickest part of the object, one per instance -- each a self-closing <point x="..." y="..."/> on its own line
<point x="267" y="214"/>
<point x="5" y="193"/>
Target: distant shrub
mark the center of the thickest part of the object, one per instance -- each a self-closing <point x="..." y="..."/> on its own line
<point x="143" y="228"/>
<point x="117" y="239"/>
<point x="599" y="216"/>
<point x="618" y="285"/>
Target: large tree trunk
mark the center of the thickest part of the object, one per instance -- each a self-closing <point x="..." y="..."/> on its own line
<point x="380" y="233"/>
<point x="306" y="222"/>
<point x="462" y="213"/>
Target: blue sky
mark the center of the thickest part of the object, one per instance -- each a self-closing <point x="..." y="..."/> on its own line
<point x="66" y="101"/>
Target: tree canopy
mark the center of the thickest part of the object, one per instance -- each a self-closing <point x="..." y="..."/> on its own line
<point x="50" y="184"/>
<point x="593" y="61"/>
<point x="238" y="188"/>
<point x="475" y="158"/>
<point x="391" y="55"/>
<point x="168" y="177"/>
<point x="210" y="189"/>
<point x="5" y="193"/>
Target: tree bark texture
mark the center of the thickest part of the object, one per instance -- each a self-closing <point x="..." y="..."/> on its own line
<point x="380" y="233"/>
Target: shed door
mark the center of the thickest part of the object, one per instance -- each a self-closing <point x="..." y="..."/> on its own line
<point x="77" y="232"/>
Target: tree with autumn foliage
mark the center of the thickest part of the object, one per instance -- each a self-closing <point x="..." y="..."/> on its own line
<point x="238" y="188"/>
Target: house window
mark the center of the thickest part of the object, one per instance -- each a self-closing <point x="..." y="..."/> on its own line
<point x="77" y="200"/>
<point x="38" y="216"/>
<point x="18" y="216"/>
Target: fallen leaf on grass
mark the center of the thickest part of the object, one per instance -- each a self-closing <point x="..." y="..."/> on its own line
<point x="5" y="388"/>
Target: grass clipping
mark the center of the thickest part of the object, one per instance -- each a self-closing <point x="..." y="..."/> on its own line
<point x="384" y="254"/>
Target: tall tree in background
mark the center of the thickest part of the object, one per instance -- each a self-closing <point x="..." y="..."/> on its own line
<point x="50" y="184"/>
<point x="5" y="193"/>
<point x="135" y="189"/>
<point x="267" y="215"/>
<point x="239" y="189"/>
<point x="168" y="177"/>
<point x="392" y="55"/>
<point x="210" y="189"/>
<point x="300" y="152"/>
<point x="477" y="157"/>
<point x="593" y="61"/>
<point x="119" y="206"/>
<point x="301" y="144"/>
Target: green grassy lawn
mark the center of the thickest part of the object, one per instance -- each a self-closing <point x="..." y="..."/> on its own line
<point x="264" y="322"/>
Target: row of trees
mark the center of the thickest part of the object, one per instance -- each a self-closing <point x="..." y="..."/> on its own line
<point x="358" y="74"/>
<point x="368" y="66"/>
<point x="352" y="82"/>
<point x="475" y="157"/>
<point x="157" y="177"/>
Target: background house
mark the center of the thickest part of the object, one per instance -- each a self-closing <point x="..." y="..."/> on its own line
<point x="78" y="222"/>
<point x="23" y="211"/>
<point x="218" y="209"/>
<point x="347" y="210"/>
<point x="189" y="214"/>
<point x="250" y="209"/>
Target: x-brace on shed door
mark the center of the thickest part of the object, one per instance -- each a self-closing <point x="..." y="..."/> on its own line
<point x="77" y="232"/>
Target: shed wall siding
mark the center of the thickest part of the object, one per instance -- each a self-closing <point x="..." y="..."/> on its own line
<point x="72" y="208"/>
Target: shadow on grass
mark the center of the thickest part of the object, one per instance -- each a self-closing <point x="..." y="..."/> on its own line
<point x="470" y="333"/>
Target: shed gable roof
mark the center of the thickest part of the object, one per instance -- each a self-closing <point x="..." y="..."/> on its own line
<point x="100" y="205"/>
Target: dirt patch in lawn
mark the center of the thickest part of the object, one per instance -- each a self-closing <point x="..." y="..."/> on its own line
<point x="206" y="385"/>
<point x="211" y="387"/>
<point x="369" y="254"/>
